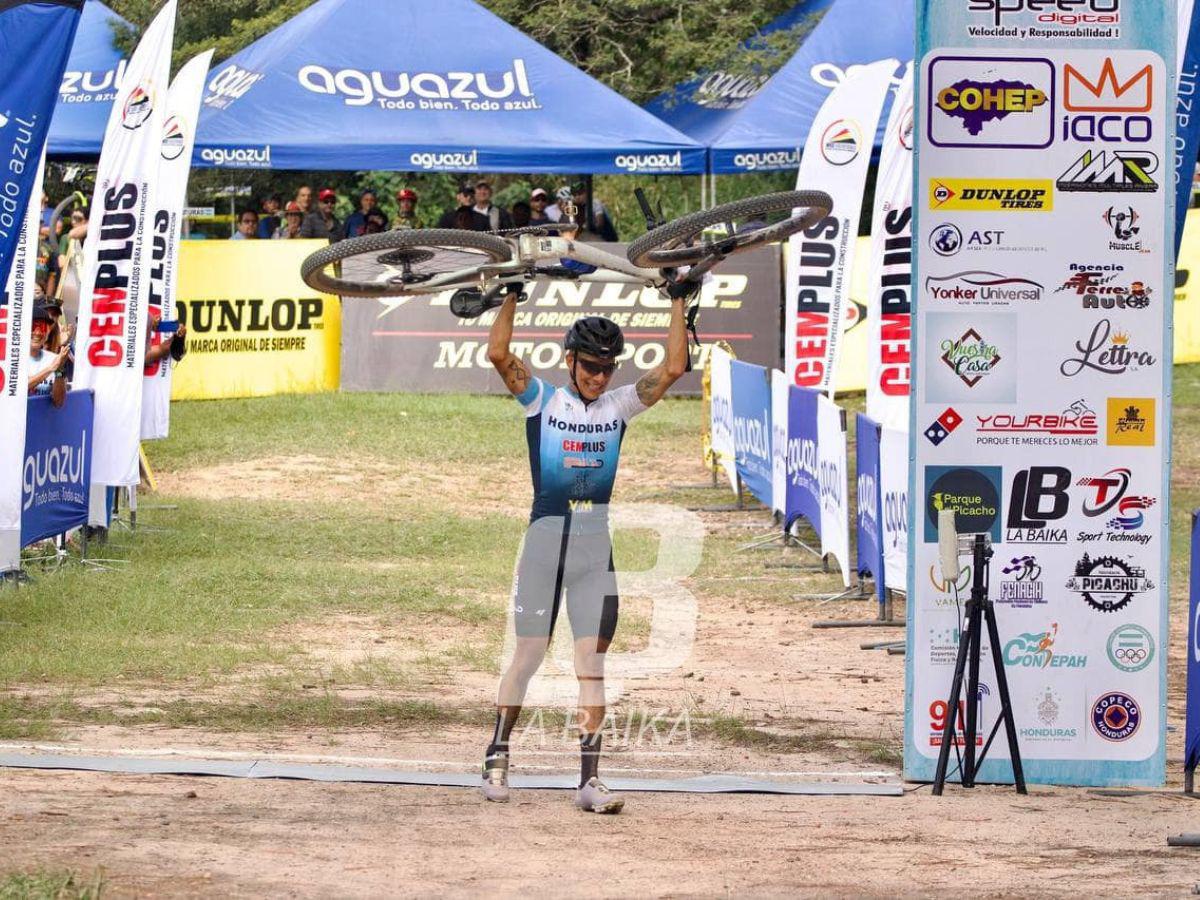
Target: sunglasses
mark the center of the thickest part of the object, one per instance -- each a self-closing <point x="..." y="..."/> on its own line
<point x="595" y="368"/>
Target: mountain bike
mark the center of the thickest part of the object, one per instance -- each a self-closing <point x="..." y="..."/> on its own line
<point x="481" y="266"/>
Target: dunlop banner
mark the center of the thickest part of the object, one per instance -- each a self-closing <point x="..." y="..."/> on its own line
<point x="254" y="328"/>
<point x="415" y="344"/>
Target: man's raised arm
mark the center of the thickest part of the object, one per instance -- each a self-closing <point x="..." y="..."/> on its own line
<point x="512" y="370"/>
<point x="656" y="382"/>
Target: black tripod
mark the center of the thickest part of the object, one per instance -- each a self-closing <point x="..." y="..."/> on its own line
<point x="979" y="607"/>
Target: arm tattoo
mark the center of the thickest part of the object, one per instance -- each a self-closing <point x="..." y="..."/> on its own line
<point x="648" y="387"/>
<point x="517" y="376"/>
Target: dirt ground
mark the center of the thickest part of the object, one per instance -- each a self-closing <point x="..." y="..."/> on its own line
<point x="840" y="708"/>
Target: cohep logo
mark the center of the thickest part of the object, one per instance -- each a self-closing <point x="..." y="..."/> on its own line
<point x="1131" y="422"/>
<point x="991" y="194"/>
<point x="972" y="492"/>
<point x="982" y="101"/>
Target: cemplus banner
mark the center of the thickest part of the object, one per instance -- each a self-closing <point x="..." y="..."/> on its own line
<point x="1041" y="414"/>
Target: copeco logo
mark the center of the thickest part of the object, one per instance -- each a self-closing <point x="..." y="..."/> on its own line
<point x="229" y="84"/>
<point x="1108" y="583"/>
<point x="1130" y="648"/>
<point x="1035" y="650"/>
<point x="468" y="160"/>
<point x="1116" y="716"/>
<point x="649" y="162"/>
<point x="771" y="159"/>
<point x="238" y="157"/>
<point x="1015" y="111"/>
<point x="1107" y="352"/>
<point x="424" y="90"/>
<point x="979" y="288"/>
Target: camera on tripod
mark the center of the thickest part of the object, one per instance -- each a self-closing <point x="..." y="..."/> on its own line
<point x="979" y="611"/>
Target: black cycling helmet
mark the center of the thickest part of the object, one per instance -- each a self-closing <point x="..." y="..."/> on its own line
<point x="597" y="336"/>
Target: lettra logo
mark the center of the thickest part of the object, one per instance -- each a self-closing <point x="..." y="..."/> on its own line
<point x="1106" y="352"/>
<point x="424" y="90"/>
<point x="650" y="162"/>
<point x="776" y="159"/>
<point x="457" y="160"/>
<point x="238" y="157"/>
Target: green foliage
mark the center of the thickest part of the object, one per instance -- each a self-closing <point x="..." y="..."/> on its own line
<point x="45" y="885"/>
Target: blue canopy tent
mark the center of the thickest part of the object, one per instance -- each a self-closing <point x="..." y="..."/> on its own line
<point x="411" y="86"/>
<point x="704" y="107"/>
<point x="89" y="85"/>
<point x="769" y="131"/>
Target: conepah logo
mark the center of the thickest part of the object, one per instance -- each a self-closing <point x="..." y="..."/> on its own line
<point x="650" y="162"/>
<point x="238" y="157"/>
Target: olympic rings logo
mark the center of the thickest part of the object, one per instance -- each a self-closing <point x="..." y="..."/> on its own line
<point x="1130" y="655"/>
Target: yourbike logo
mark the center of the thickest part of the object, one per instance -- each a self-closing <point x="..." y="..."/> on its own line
<point x="508" y="90"/>
<point x="772" y="159"/>
<point x="649" y="162"/>
<point x="442" y="161"/>
<point x="238" y="157"/>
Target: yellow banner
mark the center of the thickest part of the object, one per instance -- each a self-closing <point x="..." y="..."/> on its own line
<point x="1187" y="292"/>
<point x="254" y="327"/>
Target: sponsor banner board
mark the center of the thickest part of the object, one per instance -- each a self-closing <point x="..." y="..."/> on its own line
<point x="254" y="328"/>
<point x="869" y="547"/>
<point x="752" y="427"/>
<point x="1041" y="363"/>
<point x="416" y="344"/>
<point x="56" y="471"/>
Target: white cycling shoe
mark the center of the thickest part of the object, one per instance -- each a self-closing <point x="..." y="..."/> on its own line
<point x="495" y="782"/>
<point x="595" y="797"/>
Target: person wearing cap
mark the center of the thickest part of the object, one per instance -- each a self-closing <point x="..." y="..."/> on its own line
<point x="43" y="364"/>
<point x="407" y="219"/>
<point x="356" y="222"/>
<point x="543" y="212"/>
<point x="600" y="228"/>
<point x="323" y="223"/>
<point x="498" y="218"/>
<point x="464" y="215"/>
<point x="293" y="218"/>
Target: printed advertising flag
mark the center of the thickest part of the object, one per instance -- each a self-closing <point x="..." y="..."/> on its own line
<point x="170" y="196"/>
<point x="752" y="427"/>
<point x="779" y="440"/>
<point x="804" y="484"/>
<point x="722" y="414"/>
<point x="35" y="41"/>
<point x="869" y="554"/>
<point x="1191" y="744"/>
<point x="1041" y="416"/>
<point x="117" y="285"/>
<point x="56" y="470"/>
<point x="889" y="329"/>
<point x="1187" y="115"/>
<point x="834" y="480"/>
<point x="16" y="320"/>
<point x="819" y="261"/>
<point x="893" y="491"/>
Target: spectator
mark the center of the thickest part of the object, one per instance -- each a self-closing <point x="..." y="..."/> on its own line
<point x="292" y="219"/>
<point x="47" y="213"/>
<point x="175" y="347"/>
<point x="70" y="264"/>
<point x="45" y="365"/>
<point x="270" y="220"/>
<point x="465" y="216"/>
<point x="600" y="227"/>
<point x="521" y="214"/>
<point x="498" y="218"/>
<point x="407" y="218"/>
<point x="323" y="223"/>
<point x="540" y="206"/>
<point x="304" y="199"/>
<point x="356" y="222"/>
<point x="375" y="222"/>
<point x="46" y="275"/>
<point x="247" y="226"/>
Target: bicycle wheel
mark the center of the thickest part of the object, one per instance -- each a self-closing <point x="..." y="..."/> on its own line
<point x="396" y="263"/>
<point x="748" y="224"/>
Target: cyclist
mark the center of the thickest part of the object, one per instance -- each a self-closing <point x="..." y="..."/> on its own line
<point x="574" y="436"/>
<point x="407" y="217"/>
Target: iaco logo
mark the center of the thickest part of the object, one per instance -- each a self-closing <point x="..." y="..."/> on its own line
<point x="457" y="160"/>
<point x="238" y="157"/>
<point x="82" y="87"/>
<point x="138" y="107"/>
<point x="774" y="159"/>
<point x="432" y="90"/>
<point x="721" y="90"/>
<point x="650" y="162"/>
<point x="230" y="84"/>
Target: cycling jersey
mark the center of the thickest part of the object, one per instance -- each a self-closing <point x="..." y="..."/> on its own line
<point x="574" y="448"/>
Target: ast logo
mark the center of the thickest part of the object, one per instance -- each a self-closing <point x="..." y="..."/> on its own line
<point x="991" y="102"/>
<point x="972" y="492"/>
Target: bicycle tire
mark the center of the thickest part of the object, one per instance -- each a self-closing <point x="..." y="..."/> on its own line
<point x="663" y="246"/>
<point x="313" y="269"/>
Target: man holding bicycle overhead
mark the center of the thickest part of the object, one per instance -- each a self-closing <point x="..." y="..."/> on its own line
<point x="574" y="434"/>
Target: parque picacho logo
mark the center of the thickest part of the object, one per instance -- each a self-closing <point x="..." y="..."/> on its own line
<point x="973" y="493"/>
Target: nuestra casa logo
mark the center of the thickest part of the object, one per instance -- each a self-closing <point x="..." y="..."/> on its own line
<point x="237" y="157"/>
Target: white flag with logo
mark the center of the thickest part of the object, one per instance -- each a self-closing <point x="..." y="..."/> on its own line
<point x="893" y="471"/>
<point x="16" y="322"/>
<point x="721" y="381"/>
<point x="779" y="436"/>
<point x="833" y="477"/>
<point x="889" y="325"/>
<point x="115" y="295"/>
<point x="820" y="259"/>
<point x="170" y="197"/>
